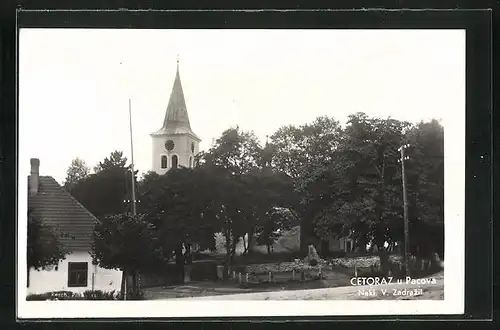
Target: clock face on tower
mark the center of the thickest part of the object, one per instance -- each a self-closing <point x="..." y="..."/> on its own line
<point x="169" y="145"/>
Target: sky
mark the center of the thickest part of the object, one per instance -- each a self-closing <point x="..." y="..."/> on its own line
<point x="73" y="91"/>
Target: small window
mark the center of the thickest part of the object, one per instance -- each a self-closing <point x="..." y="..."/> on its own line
<point x="175" y="161"/>
<point x="164" y="161"/>
<point x="190" y="161"/>
<point x="77" y="274"/>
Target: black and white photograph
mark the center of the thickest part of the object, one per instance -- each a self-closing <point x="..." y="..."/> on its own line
<point x="240" y="172"/>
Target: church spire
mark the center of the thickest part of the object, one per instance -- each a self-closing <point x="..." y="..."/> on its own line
<point x="176" y="117"/>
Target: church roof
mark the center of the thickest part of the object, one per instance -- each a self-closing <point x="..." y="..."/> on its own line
<point x="176" y="118"/>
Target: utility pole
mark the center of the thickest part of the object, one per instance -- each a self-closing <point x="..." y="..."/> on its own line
<point x="405" y="207"/>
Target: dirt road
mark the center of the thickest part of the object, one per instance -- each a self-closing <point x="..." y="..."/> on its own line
<point x="431" y="288"/>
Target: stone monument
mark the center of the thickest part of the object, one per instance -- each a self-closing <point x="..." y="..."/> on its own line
<point x="312" y="254"/>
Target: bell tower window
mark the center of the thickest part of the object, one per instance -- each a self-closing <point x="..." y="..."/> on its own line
<point x="164" y="162"/>
<point x="175" y="161"/>
<point x="190" y="161"/>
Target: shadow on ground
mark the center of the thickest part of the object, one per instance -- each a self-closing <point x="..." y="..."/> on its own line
<point x="214" y="288"/>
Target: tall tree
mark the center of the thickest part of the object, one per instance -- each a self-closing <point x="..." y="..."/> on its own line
<point x="232" y="156"/>
<point x="366" y="199"/>
<point x="178" y="204"/>
<point x="268" y="197"/>
<point x="237" y="151"/>
<point x="425" y="176"/>
<point x="115" y="160"/>
<point x="125" y="242"/>
<point x="104" y="192"/>
<point x="300" y="152"/>
<point x="241" y="190"/>
<point x="77" y="171"/>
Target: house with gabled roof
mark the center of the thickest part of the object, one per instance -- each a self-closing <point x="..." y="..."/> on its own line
<point x="51" y="203"/>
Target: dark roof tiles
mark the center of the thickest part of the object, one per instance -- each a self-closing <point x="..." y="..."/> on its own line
<point x="56" y="207"/>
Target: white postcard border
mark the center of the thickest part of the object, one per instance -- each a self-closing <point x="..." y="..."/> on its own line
<point x="453" y="302"/>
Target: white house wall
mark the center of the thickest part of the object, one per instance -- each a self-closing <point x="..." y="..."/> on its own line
<point x="57" y="280"/>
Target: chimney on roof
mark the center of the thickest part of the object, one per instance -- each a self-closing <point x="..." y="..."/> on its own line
<point x="34" y="177"/>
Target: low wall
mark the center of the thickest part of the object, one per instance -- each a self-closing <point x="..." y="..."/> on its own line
<point x="300" y="265"/>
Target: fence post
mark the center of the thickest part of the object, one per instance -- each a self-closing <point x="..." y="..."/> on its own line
<point x="293" y="274"/>
<point x="270" y="277"/>
<point x="234" y="275"/>
<point x="246" y="278"/>
<point x="239" y="278"/>
<point x="320" y="271"/>
<point x="355" y="270"/>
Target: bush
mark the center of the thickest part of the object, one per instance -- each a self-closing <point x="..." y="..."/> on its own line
<point x="99" y="295"/>
<point x="135" y="295"/>
<point x="59" y="295"/>
<point x="38" y="297"/>
<point x="205" y="270"/>
<point x="334" y="254"/>
<point x="369" y="272"/>
<point x="313" y="262"/>
<point x="263" y="258"/>
<point x="131" y="295"/>
<point x="68" y="295"/>
<point x="164" y="276"/>
<point x="202" y="256"/>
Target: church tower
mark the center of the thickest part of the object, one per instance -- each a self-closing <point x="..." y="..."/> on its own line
<point x="175" y="144"/>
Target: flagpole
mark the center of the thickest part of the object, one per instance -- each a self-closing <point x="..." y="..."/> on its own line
<point x="132" y="158"/>
<point x="132" y="173"/>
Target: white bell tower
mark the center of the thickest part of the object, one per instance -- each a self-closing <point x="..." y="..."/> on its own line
<point x="175" y="144"/>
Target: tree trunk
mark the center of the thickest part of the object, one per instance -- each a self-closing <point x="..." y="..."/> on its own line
<point x="303" y="239"/>
<point x="228" y="256"/>
<point x="134" y="281"/>
<point x="233" y="250"/>
<point x="188" y="256"/>
<point x="122" y="288"/>
<point x="384" y="260"/>
<point x="245" y="251"/>
<point x="225" y="270"/>
<point x="250" y="241"/>
<point x="268" y="248"/>
<point x="179" y="261"/>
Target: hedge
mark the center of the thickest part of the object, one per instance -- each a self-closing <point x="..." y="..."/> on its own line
<point x="87" y="295"/>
